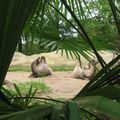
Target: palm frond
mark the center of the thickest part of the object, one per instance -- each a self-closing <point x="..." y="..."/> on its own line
<point x="101" y="105"/>
<point x="13" y="18"/>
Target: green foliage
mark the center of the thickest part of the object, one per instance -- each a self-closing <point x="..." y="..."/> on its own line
<point x="29" y="114"/>
<point x="99" y="104"/>
<point x="43" y="21"/>
<point x="18" y="93"/>
<point x="11" y="26"/>
<point x="19" y="68"/>
<point x="95" y="17"/>
<point x="24" y="87"/>
<point x="48" y="111"/>
<point x="63" y="68"/>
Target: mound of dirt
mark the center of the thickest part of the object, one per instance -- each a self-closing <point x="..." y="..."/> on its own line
<point x="53" y="58"/>
<point x="18" y="59"/>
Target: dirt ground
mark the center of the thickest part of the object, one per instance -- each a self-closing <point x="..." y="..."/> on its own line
<point x="61" y="83"/>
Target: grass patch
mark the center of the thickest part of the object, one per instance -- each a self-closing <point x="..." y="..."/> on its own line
<point x="19" y="68"/>
<point x="63" y="68"/>
<point x="40" y="85"/>
<point x="28" y="69"/>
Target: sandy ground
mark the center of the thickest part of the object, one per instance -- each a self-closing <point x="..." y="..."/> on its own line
<point x="61" y="83"/>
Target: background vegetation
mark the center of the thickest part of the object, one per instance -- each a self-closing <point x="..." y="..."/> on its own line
<point x="95" y="16"/>
<point x="69" y="26"/>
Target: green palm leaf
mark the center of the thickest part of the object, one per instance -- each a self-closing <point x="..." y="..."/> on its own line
<point x="29" y="114"/>
<point x="101" y="105"/>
